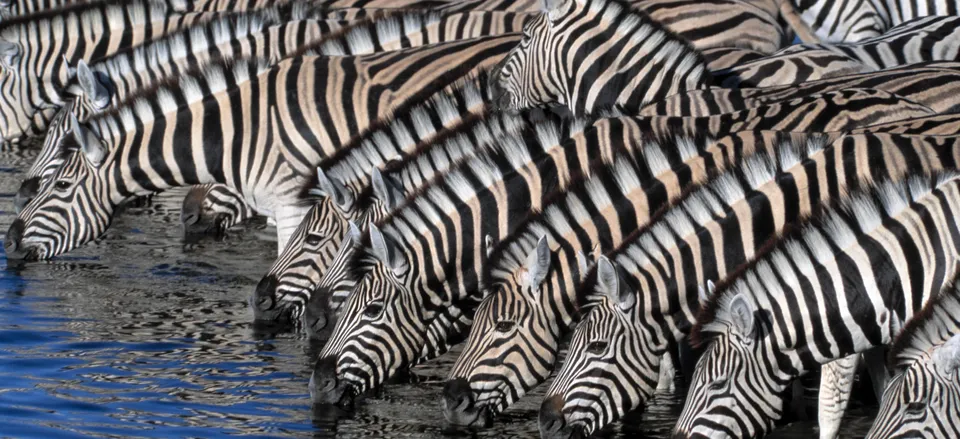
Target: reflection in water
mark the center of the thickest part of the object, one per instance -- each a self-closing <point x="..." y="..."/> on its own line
<point x="140" y="336"/>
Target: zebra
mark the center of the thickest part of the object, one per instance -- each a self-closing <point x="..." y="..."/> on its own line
<point x="622" y="336"/>
<point x="36" y="53"/>
<point x="914" y="41"/>
<point x="111" y="81"/>
<point x="856" y="20"/>
<point x="928" y="84"/>
<point x="350" y="362"/>
<point x="568" y="54"/>
<point x="483" y="376"/>
<point x="271" y="134"/>
<point x="920" y="401"/>
<point x="780" y="315"/>
<point x="939" y="124"/>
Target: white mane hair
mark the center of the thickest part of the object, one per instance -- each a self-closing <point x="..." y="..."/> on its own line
<point x="119" y="16"/>
<point x="180" y="45"/>
<point x="859" y="213"/>
<point x="138" y="109"/>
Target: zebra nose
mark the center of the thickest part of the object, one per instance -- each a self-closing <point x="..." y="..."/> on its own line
<point x="264" y="298"/>
<point x="11" y="243"/>
<point x="324" y="385"/>
<point x="317" y="315"/>
<point x="553" y="425"/>
<point x="28" y="190"/>
<point x="457" y="396"/>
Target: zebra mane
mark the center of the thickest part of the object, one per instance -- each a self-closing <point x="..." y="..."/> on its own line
<point x="365" y="34"/>
<point x="178" y="45"/>
<point x="117" y="14"/>
<point x="509" y="255"/>
<point x="857" y="214"/>
<point x="670" y="225"/>
<point x="929" y="328"/>
<point x="173" y="93"/>
<point x="375" y="145"/>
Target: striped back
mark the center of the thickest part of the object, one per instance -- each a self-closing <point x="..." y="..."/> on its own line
<point x="37" y="54"/>
<point x="885" y="250"/>
<point x="847" y="21"/>
<point x="643" y="295"/>
<point x="923" y="400"/>
<point x="940" y="124"/>
<point x="593" y="55"/>
<point x="918" y="40"/>
<point x="929" y="84"/>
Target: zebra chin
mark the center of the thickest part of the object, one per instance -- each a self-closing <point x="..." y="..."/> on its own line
<point x="552" y="422"/>
<point x="460" y="406"/>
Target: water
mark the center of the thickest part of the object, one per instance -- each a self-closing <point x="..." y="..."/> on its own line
<point x="139" y="336"/>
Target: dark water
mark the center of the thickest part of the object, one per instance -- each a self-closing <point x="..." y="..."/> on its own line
<point x="138" y="336"/>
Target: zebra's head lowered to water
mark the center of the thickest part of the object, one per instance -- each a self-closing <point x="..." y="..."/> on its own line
<point x="607" y="369"/>
<point x="74" y="207"/>
<point x="923" y="400"/>
<point x="595" y="55"/>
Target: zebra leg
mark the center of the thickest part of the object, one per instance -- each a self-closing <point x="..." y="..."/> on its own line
<point x="836" y="381"/>
<point x="667" y="374"/>
<point x="876" y="362"/>
<point x="288" y="219"/>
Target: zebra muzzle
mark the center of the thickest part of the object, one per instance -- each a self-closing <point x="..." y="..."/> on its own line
<point x="552" y="422"/>
<point x="459" y="405"/>
<point x="12" y="243"/>
<point x="326" y="388"/>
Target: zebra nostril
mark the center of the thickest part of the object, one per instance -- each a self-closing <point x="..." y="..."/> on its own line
<point x="264" y="298"/>
<point x="11" y="243"/>
<point x="457" y="395"/>
<point x="551" y="418"/>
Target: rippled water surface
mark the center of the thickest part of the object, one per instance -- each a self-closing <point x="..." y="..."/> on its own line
<point x="139" y="336"/>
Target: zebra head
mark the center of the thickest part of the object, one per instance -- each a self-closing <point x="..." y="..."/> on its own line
<point x="380" y="328"/>
<point x="282" y="293"/>
<point x="736" y="388"/>
<point x="921" y="401"/>
<point x="512" y="346"/>
<point x="92" y="96"/>
<point x="519" y="81"/>
<point x="611" y="366"/>
<point x="74" y="207"/>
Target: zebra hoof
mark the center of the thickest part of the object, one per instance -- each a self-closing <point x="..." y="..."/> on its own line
<point x="459" y="405"/>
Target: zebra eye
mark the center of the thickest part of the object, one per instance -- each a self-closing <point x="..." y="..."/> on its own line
<point x="62" y="185"/>
<point x="718" y="384"/>
<point x="597" y="347"/>
<point x="312" y="239"/>
<point x="915" y="408"/>
<point x="373" y="310"/>
<point x="505" y="326"/>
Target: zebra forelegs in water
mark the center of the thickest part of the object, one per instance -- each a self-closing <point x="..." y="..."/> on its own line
<point x="836" y="381"/>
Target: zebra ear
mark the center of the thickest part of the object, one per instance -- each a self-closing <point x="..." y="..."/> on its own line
<point x="538" y="263"/>
<point x="609" y="280"/>
<point x="489" y="243"/>
<point x="90" y="145"/>
<point x="741" y="312"/>
<point x="385" y="189"/>
<point x="94" y="91"/>
<point x="353" y="232"/>
<point x="947" y="357"/>
<point x="332" y="188"/>
<point x="9" y="54"/>
<point x="553" y="6"/>
<point x="386" y="251"/>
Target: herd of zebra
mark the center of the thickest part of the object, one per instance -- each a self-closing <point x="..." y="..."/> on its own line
<point x="669" y="184"/>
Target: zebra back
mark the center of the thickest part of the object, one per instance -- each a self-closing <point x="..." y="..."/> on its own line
<point x="781" y="316"/>
<point x="927" y="84"/>
<point x="644" y="295"/>
<point x="939" y="124"/>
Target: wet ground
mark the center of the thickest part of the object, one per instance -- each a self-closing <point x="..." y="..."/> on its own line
<point x="140" y="336"/>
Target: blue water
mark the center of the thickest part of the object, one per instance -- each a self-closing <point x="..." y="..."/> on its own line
<point x="140" y="336"/>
